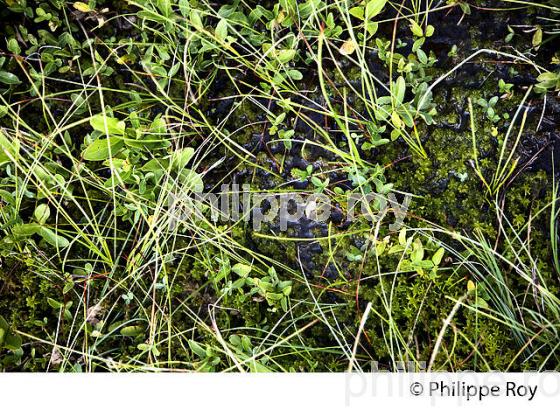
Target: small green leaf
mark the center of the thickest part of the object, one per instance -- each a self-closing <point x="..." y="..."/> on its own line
<point x="165" y="7"/>
<point x="12" y="342"/>
<point x="158" y="128"/>
<point x="371" y="27"/>
<point x="537" y="37"/>
<point x="465" y="8"/>
<point x="55" y="304"/>
<point x="547" y="77"/>
<point x="13" y="46"/>
<point x="418" y="43"/>
<point x="374" y="7"/>
<point x="246" y="343"/>
<point x="9" y="78"/>
<point x="181" y="157"/>
<point x="53" y="239"/>
<point x="191" y="180"/>
<point x="425" y="264"/>
<point x="481" y="304"/>
<point x="241" y="269"/>
<point x="416" y="29"/>
<point x="295" y="75"/>
<point x="238" y="284"/>
<point x="357" y="12"/>
<point x="422" y="57"/>
<point x="8" y="148"/>
<point x="155" y="165"/>
<point x="83" y="7"/>
<point x="400" y="90"/>
<point x="102" y="149"/>
<point x="396" y="120"/>
<point x="68" y="286"/>
<point x="24" y="230"/>
<point x="197" y="349"/>
<point x="417" y="251"/>
<point x="132" y="331"/>
<point x="222" y="30"/>
<point x="107" y="125"/>
<point x="196" y="20"/>
<point x="284" y="304"/>
<point x="4" y="324"/>
<point x="430" y="30"/>
<point x="438" y="256"/>
<point x="143" y="347"/>
<point x="274" y="297"/>
<point x="235" y="340"/>
<point x="285" y="56"/>
<point x="402" y="237"/>
<point x="42" y="213"/>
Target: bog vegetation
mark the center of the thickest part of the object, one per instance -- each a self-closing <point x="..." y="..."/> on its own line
<point x="109" y="107"/>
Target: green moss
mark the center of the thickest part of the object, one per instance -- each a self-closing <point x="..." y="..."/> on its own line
<point x="29" y="312"/>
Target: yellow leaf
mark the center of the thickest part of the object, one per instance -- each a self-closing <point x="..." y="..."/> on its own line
<point x="396" y="120"/>
<point x="471" y="286"/>
<point x="416" y="29"/>
<point x="83" y="7"/>
<point x="402" y="236"/>
<point x="348" y="47"/>
<point x="537" y="37"/>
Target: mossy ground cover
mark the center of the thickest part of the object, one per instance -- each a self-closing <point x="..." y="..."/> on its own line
<point x="109" y="108"/>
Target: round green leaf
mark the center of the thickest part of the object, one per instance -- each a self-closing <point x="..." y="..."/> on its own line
<point x="42" y="213"/>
